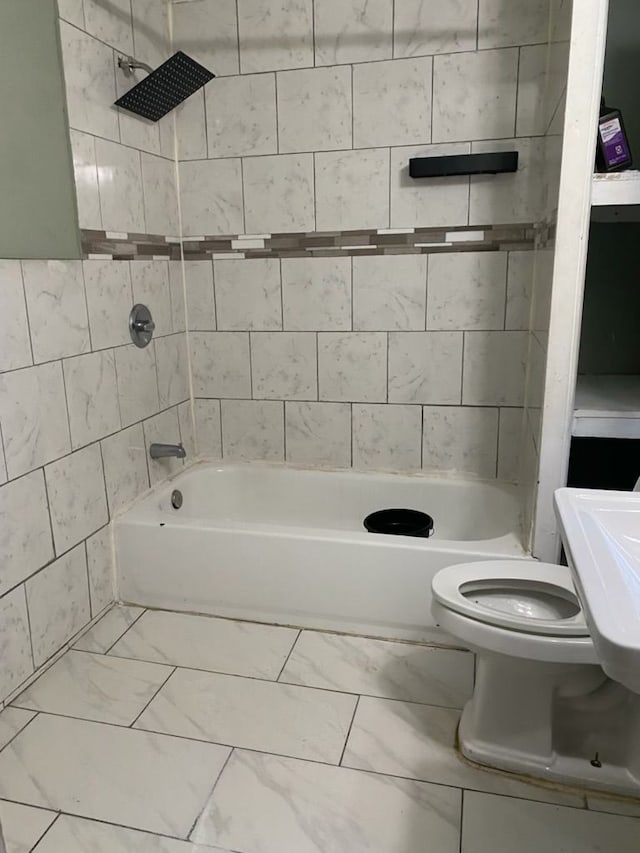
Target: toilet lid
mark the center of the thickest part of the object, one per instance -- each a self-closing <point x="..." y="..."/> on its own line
<point x="522" y="595"/>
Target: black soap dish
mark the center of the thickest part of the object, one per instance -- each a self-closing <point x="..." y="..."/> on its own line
<point x="463" y="164"/>
<point x="400" y="522"/>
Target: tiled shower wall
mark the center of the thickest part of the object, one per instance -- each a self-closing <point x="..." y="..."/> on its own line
<point x="413" y="359"/>
<point x="79" y="404"/>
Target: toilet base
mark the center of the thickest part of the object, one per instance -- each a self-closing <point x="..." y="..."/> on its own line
<point x="565" y="723"/>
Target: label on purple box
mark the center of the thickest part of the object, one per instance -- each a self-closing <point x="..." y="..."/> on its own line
<point x="614" y="144"/>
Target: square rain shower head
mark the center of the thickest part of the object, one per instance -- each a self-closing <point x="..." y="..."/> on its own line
<point x="166" y="87"/>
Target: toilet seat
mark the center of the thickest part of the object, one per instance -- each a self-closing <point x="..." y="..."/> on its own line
<point x="520" y="582"/>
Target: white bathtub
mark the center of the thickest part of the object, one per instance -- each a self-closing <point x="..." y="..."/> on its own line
<point x="284" y="545"/>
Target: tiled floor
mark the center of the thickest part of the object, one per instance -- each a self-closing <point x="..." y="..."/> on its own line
<point x="169" y="733"/>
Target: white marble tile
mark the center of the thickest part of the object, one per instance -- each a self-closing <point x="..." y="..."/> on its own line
<point x="95" y="687"/>
<point x="460" y="439"/>
<point x="531" y="117"/>
<point x="33" y="417"/>
<point x="517" y="22"/>
<point x="253" y="714"/>
<point x="160" y="195"/>
<point x="72" y="11"/>
<point x="419" y="742"/>
<point x="493" y="823"/>
<point x="208" y="428"/>
<point x="494" y="368"/>
<point x="137" y="383"/>
<point x="90" y="83"/>
<point x="316" y="294"/>
<point x="85" y="170"/>
<point x="519" y="290"/>
<point x="278" y="193"/>
<point x="109" y="300"/>
<point x="392" y="102"/>
<point x="425" y="27"/>
<point x="147" y="781"/>
<point x="58" y="602"/>
<point x="77" y="499"/>
<point x="425" y="367"/>
<point x="208" y="31"/>
<point x="512" y="198"/>
<point x="509" y="444"/>
<point x="318" y="434"/>
<point x="25" y="533"/>
<point x="352" y="367"/>
<point x="57" y="308"/>
<point x="204" y="642"/>
<point x="120" y="184"/>
<point x="15" y="641"/>
<point x="150" y="285"/>
<point x="352" y="189"/>
<point x="248" y="294"/>
<point x="474" y="95"/>
<point x="314" y="109"/>
<point x="220" y="363"/>
<point x="311" y="807"/>
<point x="76" y="835"/>
<point x="352" y="31"/>
<point x="151" y="30"/>
<point x="253" y="430"/>
<point x="173" y="369"/>
<point x="92" y="396"/>
<point x="211" y="197"/>
<point x="274" y="36"/>
<point x="437" y="203"/>
<point x="110" y="22"/>
<point x="176" y="290"/>
<point x="233" y="132"/>
<point x="100" y="565"/>
<point x="12" y="721"/>
<point x="186" y="422"/>
<point x="125" y="467"/>
<point x="379" y="668"/>
<point x="23" y="826"/>
<point x="135" y="131"/>
<point x="387" y="437"/>
<point x="389" y="292"/>
<point x="191" y="125"/>
<point x="163" y="429"/>
<point x="200" y="296"/>
<point x="15" y="349"/>
<point x="466" y="290"/>
<point x="109" y="629"/>
<point x="284" y="365"/>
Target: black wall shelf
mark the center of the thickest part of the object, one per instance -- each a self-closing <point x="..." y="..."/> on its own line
<point x="463" y="164"/>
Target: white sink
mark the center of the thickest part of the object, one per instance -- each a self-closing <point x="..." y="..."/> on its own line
<point x="601" y="534"/>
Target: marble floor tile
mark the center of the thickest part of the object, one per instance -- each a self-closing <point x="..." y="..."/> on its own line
<point x="267" y="804"/>
<point x="418" y="742"/>
<point x="13" y="720"/>
<point x="491" y="824"/>
<point x="278" y="718"/>
<point x="134" y="778"/>
<point x="95" y="687"/>
<point x="77" y="835"/>
<point x="23" y="826"/>
<point x="109" y="629"/>
<point x="204" y="642"/>
<point x="379" y="668"/>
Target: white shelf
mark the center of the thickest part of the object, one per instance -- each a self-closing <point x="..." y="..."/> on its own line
<point x="616" y="189"/>
<point x="607" y="407"/>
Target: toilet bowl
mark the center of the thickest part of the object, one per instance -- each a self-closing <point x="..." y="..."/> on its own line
<point x="541" y="704"/>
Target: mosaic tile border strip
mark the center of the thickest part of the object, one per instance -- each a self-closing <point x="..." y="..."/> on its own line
<point x="383" y="241"/>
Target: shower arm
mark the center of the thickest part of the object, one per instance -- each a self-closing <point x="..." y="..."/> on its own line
<point x="129" y="64"/>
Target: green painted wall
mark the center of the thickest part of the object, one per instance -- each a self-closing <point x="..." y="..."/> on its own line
<point x="38" y="216"/>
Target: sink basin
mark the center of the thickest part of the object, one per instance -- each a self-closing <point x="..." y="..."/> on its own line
<point x="601" y="534"/>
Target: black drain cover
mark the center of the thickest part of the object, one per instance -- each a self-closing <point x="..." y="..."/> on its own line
<point x="400" y="522"/>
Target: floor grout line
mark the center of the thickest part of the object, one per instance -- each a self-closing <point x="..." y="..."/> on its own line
<point x="346" y="740"/>
<point x="211" y="792"/>
<point x="293" y="645"/>
<point x="126" y="631"/>
<point x="173" y="671"/>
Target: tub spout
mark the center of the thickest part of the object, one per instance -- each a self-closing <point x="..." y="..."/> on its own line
<point x="165" y="451"/>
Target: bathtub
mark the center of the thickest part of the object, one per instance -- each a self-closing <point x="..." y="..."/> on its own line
<point x="284" y="545"/>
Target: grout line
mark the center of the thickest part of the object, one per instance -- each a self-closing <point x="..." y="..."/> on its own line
<point x="213" y="787"/>
<point x="173" y="671"/>
<point x="26" y="607"/>
<point x="28" y="723"/>
<point x="86" y="564"/>
<point x="346" y="740"/>
<point x="461" y="819"/>
<point x="51" y="825"/>
<point x="126" y="630"/>
<point x="286" y="661"/>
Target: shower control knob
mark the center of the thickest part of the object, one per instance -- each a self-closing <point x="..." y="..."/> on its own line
<point x="141" y="325"/>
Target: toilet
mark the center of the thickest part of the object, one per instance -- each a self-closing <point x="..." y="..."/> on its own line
<point x="541" y="705"/>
